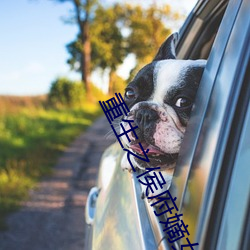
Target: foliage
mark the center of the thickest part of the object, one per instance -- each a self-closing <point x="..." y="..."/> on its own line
<point x="108" y="48"/>
<point x="74" y="49"/>
<point x="107" y="34"/>
<point x="118" y="83"/>
<point x="31" y="138"/>
<point x="148" y="30"/>
<point x="119" y="30"/>
<point x="65" y="92"/>
<point x="97" y="94"/>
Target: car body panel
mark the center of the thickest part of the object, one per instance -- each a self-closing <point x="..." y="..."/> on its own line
<point x="117" y="223"/>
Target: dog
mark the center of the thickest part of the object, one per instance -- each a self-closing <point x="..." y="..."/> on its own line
<point x="160" y="99"/>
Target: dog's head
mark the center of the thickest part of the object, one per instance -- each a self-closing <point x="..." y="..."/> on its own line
<point x="160" y="98"/>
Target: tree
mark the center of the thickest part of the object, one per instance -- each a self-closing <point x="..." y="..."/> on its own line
<point x="83" y="15"/>
<point x="148" y="31"/>
<point x="119" y="30"/>
<point x="108" y="48"/>
<point x="108" y="45"/>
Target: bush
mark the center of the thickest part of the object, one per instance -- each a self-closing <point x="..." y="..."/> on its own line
<point x="65" y="92"/>
<point x="119" y="85"/>
<point x="97" y="94"/>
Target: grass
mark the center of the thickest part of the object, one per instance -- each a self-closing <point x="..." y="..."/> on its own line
<point x="31" y="139"/>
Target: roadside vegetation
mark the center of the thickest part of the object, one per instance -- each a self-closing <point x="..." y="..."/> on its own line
<point x="34" y="131"/>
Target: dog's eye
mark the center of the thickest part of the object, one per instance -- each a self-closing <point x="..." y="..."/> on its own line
<point x="130" y="94"/>
<point x="183" y="102"/>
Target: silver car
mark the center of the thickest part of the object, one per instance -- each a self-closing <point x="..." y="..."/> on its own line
<point x="212" y="177"/>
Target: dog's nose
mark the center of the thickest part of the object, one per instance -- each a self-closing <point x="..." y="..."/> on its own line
<point x="145" y="118"/>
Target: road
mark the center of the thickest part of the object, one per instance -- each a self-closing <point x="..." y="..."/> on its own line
<point x="53" y="218"/>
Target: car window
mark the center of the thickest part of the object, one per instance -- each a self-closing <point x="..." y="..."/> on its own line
<point x="198" y="34"/>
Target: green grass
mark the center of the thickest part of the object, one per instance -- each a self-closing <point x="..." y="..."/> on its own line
<point x="31" y="139"/>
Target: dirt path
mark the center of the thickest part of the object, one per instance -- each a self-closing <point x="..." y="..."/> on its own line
<point x="53" y="218"/>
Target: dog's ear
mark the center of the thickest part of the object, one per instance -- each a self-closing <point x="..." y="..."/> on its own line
<point x="167" y="49"/>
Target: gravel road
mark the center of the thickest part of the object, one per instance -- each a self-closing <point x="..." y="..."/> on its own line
<point x="53" y="218"/>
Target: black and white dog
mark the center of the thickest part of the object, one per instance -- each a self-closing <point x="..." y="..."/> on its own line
<point x="160" y="100"/>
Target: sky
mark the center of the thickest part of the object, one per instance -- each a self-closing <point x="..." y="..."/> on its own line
<point x="32" y="44"/>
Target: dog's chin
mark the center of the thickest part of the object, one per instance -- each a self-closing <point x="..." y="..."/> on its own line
<point x="156" y="157"/>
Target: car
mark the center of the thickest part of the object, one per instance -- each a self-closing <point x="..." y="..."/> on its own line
<point x="212" y="176"/>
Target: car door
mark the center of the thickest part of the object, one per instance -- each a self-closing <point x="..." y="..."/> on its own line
<point x="119" y="218"/>
<point x="208" y="178"/>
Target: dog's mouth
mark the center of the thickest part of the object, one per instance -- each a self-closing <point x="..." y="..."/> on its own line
<point x="155" y="155"/>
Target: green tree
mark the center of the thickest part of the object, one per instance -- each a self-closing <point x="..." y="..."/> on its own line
<point x="108" y="44"/>
<point x="119" y="30"/>
<point x="148" y="31"/>
<point x="83" y="16"/>
<point x="108" y="48"/>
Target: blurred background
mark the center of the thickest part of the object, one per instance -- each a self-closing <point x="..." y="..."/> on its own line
<point x="57" y="60"/>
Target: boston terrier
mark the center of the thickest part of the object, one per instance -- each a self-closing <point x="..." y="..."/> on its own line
<point x="160" y="99"/>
